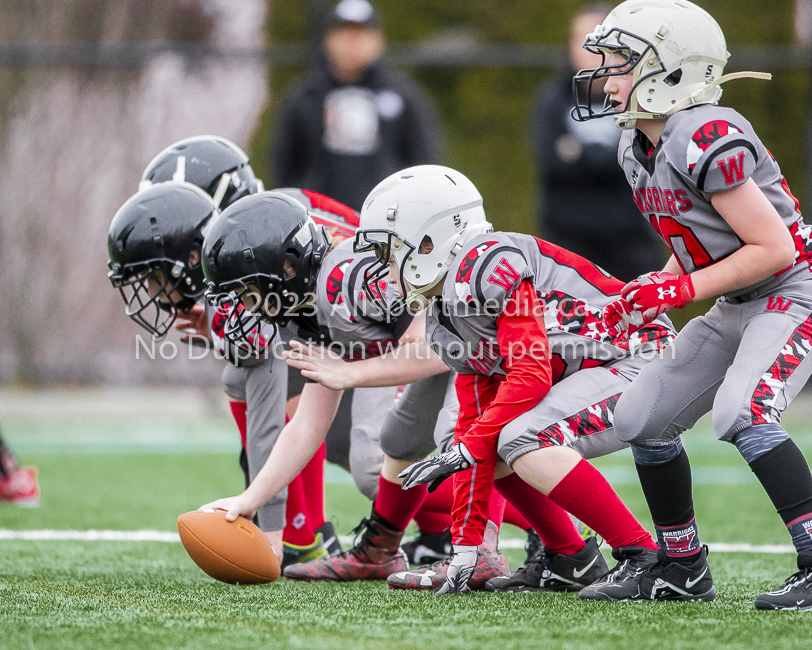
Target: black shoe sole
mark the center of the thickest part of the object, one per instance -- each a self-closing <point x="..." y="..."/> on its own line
<point x="707" y="596"/>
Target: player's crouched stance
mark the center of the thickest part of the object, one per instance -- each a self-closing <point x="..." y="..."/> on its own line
<point x="539" y="374"/>
<point x="712" y="190"/>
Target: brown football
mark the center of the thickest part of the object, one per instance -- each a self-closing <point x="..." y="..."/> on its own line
<point x="236" y="552"/>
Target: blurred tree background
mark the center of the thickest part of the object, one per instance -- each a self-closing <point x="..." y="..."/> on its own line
<point x="75" y="133"/>
<point x="485" y="111"/>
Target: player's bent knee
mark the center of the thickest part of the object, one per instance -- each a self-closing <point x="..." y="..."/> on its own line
<point x="401" y="446"/>
<point x="732" y="407"/>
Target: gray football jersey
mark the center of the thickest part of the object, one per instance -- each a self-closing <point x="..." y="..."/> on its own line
<point x="461" y="324"/>
<point x="704" y="150"/>
<point x="356" y="326"/>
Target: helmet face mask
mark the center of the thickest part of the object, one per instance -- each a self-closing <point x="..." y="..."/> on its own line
<point x="675" y="51"/>
<point x="153" y="292"/>
<point x="628" y="51"/>
<point x="243" y="316"/>
<point x="154" y="247"/>
<point x="391" y="254"/>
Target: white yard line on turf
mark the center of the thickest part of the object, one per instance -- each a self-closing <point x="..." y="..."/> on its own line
<point x="346" y="540"/>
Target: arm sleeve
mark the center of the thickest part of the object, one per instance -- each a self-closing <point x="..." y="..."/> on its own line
<point x="719" y="157"/>
<point x="522" y="341"/>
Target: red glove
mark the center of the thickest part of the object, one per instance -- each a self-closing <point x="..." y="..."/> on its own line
<point x="658" y="292"/>
<point x="621" y="320"/>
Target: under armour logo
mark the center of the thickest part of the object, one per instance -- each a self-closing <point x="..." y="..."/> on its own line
<point x="666" y="292"/>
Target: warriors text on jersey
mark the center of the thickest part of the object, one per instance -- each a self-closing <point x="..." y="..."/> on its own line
<point x="704" y="150"/>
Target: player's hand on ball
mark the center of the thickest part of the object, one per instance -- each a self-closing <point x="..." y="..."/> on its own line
<point x="319" y="364"/>
<point x="658" y="292"/>
<point x="462" y="566"/>
<point x="621" y="320"/>
<point x="234" y="507"/>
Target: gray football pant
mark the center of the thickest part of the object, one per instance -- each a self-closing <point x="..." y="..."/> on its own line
<point x="577" y="412"/>
<point x="745" y="361"/>
<point x="422" y="419"/>
<point x="264" y="388"/>
<point x="369" y="409"/>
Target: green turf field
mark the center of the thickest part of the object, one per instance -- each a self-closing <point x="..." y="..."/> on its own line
<point x="133" y="473"/>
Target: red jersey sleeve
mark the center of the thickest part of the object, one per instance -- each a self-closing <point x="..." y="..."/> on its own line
<point x="522" y="341"/>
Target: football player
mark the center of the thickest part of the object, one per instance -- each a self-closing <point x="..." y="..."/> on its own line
<point x="539" y="374"/>
<point x="18" y="485"/>
<point x="221" y="169"/>
<point x="267" y="251"/>
<point x="711" y="189"/>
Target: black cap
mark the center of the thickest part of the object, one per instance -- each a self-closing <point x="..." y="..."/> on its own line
<point x="355" y="12"/>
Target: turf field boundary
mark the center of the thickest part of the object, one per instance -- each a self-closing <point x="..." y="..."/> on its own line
<point x="346" y="540"/>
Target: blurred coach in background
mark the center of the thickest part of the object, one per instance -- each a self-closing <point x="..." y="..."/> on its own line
<point x="352" y="121"/>
<point x="586" y="203"/>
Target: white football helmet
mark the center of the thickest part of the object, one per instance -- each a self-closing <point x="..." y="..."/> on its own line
<point x="676" y="51"/>
<point x="418" y="219"/>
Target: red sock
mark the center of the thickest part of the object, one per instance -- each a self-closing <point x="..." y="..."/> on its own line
<point x="434" y="515"/>
<point x="313" y="482"/>
<point x="396" y="505"/>
<point x="441" y="500"/>
<point x="432" y="522"/>
<point x="496" y="508"/>
<point x="298" y="528"/>
<point x="515" y="518"/>
<point x="587" y="494"/>
<point x="238" y="410"/>
<point x="553" y="525"/>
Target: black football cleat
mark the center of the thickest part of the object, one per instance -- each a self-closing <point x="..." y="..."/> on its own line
<point x="795" y="593"/>
<point x="329" y="539"/>
<point x="437" y="469"/>
<point x="550" y="571"/>
<point x="533" y="546"/>
<point x="643" y="574"/>
<point x="428" y="548"/>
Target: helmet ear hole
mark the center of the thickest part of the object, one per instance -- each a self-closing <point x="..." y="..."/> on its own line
<point x="674" y="78"/>
<point x="426" y="246"/>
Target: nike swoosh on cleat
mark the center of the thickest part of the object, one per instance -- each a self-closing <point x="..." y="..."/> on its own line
<point x="578" y="574"/>
<point x="691" y="583"/>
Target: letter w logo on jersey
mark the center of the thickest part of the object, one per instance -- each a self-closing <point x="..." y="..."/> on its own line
<point x="777" y="303"/>
<point x="504" y="275"/>
<point x="732" y="169"/>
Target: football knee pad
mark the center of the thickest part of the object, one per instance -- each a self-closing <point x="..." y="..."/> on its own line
<point x="757" y="440"/>
<point x="650" y="455"/>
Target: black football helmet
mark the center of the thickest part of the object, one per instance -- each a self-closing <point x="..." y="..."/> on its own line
<point x="261" y="259"/>
<point x="216" y="165"/>
<point x="154" y="244"/>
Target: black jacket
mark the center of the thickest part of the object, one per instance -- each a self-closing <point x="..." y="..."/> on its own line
<point x="341" y="140"/>
<point x="584" y="191"/>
